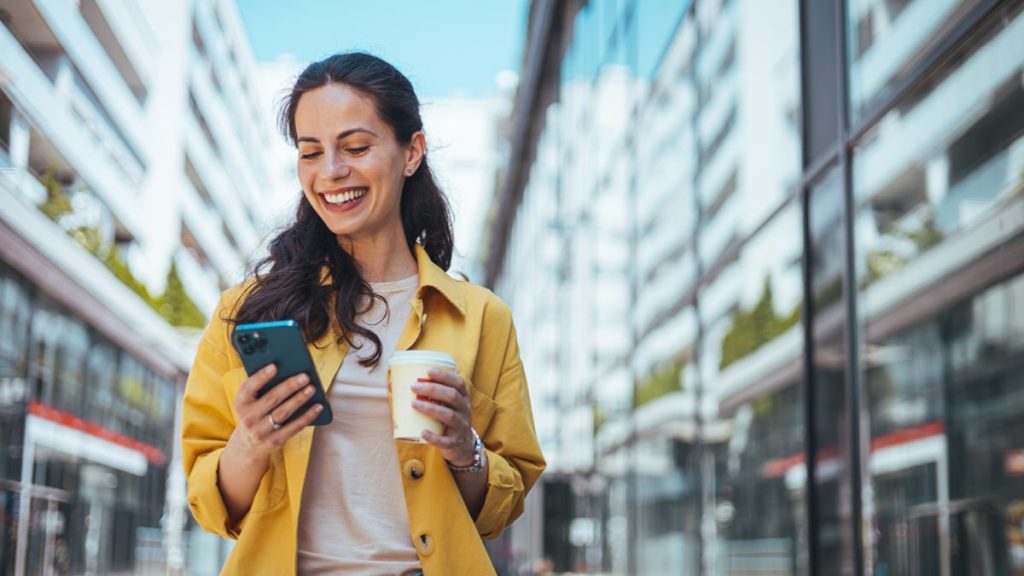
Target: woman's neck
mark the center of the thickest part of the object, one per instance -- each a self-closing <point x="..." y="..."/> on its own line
<point x="381" y="259"/>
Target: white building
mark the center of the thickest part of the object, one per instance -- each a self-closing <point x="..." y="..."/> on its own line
<point x="147" y="116"/>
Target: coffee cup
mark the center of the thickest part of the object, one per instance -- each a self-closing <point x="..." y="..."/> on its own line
<point x="406" y="368"/>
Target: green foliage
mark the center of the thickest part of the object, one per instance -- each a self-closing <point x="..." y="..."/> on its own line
<point x="116" y="264"/>
<point x="57" y="204"/>
<point x="664" y="381"/>
<point x="175" y="305"/>
<point x="90" y="238"/>
<point x="753" y="328"/>
<point x="881" y="263"/>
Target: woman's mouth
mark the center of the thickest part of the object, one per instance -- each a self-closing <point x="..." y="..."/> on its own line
<point x="343" y="198"/>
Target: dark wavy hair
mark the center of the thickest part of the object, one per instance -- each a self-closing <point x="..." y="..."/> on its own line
<point x="287" y="283"/>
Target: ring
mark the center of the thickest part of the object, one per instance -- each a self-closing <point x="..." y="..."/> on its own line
<point x="274" y="423"/>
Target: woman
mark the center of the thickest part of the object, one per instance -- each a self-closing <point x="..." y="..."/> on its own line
<point x="362" y="270"/>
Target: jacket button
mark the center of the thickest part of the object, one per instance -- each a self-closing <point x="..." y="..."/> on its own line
<point x="425" y="544"/>
<point x="413" y="469"/>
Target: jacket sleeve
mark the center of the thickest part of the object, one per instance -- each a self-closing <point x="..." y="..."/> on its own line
<point x="207" y="423"/>
<point x="514" y="459"/>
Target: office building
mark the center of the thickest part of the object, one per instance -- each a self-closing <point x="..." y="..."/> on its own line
<point x="765" y="262"/>
<point x="132" y="182"/>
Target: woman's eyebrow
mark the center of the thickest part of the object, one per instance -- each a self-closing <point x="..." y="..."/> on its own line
<point x="341" y="135"/>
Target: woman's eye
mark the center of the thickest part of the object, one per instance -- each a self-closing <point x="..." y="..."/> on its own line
<point x="358" y="150"/>
<point x="309" y="155"/>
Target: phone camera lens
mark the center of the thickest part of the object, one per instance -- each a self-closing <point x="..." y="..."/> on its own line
<point x="244" y="338"/>
<point x="247" y="350"/>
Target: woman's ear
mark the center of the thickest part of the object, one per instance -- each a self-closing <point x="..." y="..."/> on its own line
<point x="414" y="154"/>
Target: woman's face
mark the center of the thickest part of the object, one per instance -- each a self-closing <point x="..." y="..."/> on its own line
<point x="350" y="165"/>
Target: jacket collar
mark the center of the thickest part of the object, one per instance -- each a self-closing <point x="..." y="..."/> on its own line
<point x="431" y="276"/>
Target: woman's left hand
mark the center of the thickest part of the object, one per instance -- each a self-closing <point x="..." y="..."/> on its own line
<point x="446" y="399"/>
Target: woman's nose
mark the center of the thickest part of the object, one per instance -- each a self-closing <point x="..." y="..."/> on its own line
<point x="336" y="167"/>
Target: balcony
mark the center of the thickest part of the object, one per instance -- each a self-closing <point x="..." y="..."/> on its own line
<point x="206" y="225"/>
<point x="20" y="182"/>
<point x="58" y="134"/>
<point x="88" y="56"/>
<point x="127" y="37"/>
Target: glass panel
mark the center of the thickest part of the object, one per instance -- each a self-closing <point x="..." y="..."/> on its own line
<point x="752" y="356"/>
<point x="832" y="419"/>
<point x="657" y="23"/>
<point x="940" y="191"/>
<point x="887" y="37"/>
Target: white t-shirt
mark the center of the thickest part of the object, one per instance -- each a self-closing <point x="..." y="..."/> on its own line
<point x="353" y="518"/>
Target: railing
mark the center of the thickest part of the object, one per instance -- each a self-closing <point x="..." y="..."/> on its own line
<point x="21" y="181"/>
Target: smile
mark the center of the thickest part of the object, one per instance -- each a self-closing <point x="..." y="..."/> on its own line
<point x="340" y="198"/>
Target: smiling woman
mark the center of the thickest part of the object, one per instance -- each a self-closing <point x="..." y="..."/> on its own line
<point x="360" y="270"/>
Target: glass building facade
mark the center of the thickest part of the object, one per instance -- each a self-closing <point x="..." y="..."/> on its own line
<point x="85" y="423"/>
<point x="766" y="265"/>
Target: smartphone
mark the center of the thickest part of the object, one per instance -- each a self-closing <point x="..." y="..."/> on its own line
<point x="280" y="343"/>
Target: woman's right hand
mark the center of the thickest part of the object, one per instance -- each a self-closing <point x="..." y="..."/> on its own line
<point x="260" y="429"/>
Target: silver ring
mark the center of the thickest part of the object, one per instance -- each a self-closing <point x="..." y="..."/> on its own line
<point x="274" y="423"/>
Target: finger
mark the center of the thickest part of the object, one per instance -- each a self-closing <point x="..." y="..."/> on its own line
<point x="445" y="442"/>
<point x="284" y="410"/>
<point x="439" y="412"/>
<point x="293" y="427"/>
<point x="252" y="385"/>
<point x="282" y="392"/>
<point x="449" y="378"/>
<point x="439" y="392"/>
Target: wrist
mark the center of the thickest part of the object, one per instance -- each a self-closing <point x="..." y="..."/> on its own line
<point x="476" y="461"/>
<point x="244" y="454"/>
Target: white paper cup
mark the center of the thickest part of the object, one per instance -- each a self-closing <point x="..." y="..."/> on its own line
<point x="405" y="369"/>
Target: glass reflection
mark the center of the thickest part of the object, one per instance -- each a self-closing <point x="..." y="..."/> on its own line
<point x="759" y="476"/>
<point x="939" y="186"/>
<point x="886" y="38"/>
<point x="73" y="387"/>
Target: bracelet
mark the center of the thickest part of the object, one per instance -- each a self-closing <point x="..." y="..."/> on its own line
<point x="478" y="458"/>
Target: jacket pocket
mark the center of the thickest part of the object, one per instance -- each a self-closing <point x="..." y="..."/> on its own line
<point x="483" y="407"/>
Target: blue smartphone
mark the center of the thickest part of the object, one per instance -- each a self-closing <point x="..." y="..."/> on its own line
<point x="280" y="343"/>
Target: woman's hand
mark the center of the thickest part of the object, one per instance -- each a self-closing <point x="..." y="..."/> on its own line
<point x="446" y="400"/>
<point x="260" y="429"/>
<point x="258" y="433"/>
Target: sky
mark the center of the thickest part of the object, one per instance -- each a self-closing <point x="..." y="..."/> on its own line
<point x="445" y="47"/>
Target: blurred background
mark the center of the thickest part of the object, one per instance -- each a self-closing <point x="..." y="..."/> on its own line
<point x="764" y="257"/>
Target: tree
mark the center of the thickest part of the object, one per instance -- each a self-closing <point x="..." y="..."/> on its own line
<point x="176" y="306"/>
<point x="120" y="269"/>
<point x="753" y="328"/>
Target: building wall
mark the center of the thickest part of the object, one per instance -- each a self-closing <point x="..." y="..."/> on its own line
<point x="731" y="256"/>
<point x="147" y="117"/>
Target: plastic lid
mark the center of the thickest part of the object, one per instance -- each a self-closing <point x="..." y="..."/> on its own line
<point x="422" y="357"/>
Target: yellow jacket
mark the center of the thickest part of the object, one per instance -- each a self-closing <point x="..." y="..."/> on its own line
<point x="468" y="322"/>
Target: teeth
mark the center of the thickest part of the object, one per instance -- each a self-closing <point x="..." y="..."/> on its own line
<point x="347" y="196"/>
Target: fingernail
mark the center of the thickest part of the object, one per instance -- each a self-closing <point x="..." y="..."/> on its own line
<point x="304" y="378"/>
<point x="308" y="391"/>
<point x="268" y="368"/>
<point x="318" y="408"/>
<point x="418" y="387"/>
<point x="434" y="372"/>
